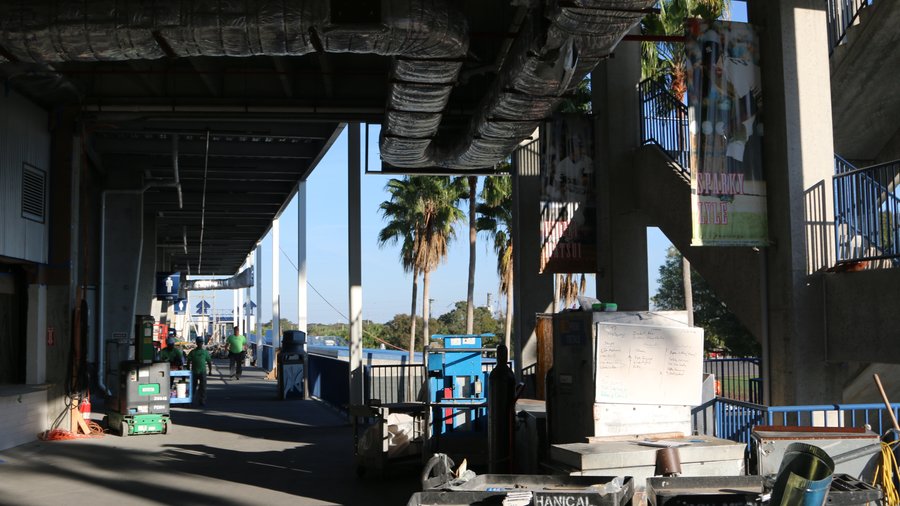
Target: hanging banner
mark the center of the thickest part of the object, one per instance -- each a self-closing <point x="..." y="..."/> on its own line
<point x="568" y="195"/>
<point x="728" y="192"/>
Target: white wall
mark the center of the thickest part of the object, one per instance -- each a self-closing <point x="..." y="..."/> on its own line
<point x="24" y="138"/>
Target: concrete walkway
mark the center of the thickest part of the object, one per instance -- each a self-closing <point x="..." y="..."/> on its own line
<point x="244" y="447"/>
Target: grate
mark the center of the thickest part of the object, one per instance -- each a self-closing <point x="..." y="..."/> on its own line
<point x="33" y="193"/>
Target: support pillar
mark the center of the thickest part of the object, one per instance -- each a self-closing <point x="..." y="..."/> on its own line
<point x="799" y="155"/>
<point x="276" y="285"/>
<point x="532" y="291"/>
<point x="354" y="241"/>
<point x="257" y="259"/>
<point x="622" y="230"/>
<point x="36" y="347"/>
<point x="302" y="300"/>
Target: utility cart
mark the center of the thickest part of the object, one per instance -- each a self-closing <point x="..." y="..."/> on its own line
<point x="142" y="404"/>
<point x="387" y="435"/>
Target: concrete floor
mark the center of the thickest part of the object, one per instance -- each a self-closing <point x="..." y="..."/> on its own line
<point x="244" y="447"/>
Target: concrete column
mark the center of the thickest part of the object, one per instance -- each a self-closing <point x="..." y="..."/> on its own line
<point x="257" y="258"/>
<point x="276" y="283"/>
<point x="798" y="151"/>
<point x="622" y="230"/>
<point x="146" y="290"/>
<point x="121" y="240"/>
<point x="532" y="292"/>
<point x="36" y="347"/>
<point x="354" y="241"/>
<point x="302" y="299"/>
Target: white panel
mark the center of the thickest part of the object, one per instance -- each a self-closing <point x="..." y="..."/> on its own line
<point x="24" y="138"/>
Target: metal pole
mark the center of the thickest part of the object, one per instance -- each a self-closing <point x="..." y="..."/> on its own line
<point x="302" y="309"/>
<point x="354" y="227"/>
<point x="276" y="296"/>
<point x="259" y="337"/>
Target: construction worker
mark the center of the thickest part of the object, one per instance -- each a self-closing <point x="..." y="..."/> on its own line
<point x="201" y="363"/>
<point x="237" y="350"/>
<point x="173" y="355"/>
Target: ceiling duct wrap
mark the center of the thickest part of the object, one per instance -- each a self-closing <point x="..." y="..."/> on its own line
<point x="557" y="46"/>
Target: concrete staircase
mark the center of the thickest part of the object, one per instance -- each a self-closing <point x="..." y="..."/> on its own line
<point x="734" y="274"/>
<point x="864" y="95"/>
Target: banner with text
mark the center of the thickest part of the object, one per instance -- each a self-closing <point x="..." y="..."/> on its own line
<point x="568" y="195"/>
<point x="728" y="192"/>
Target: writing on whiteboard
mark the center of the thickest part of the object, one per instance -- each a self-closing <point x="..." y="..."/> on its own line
<point x="646" y="364"/>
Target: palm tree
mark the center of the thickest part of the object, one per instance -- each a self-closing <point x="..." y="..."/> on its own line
<point x="437" y="214"/>
<point x="473" y="233"/>
<point x="665" y="62"/>
<point x="400" y="211"/>
<point x="496" y="218"/>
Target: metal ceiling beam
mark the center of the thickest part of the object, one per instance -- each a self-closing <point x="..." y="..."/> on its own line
<point x="221" y="149"/>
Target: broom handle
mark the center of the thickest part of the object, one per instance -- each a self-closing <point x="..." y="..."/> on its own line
<point x="886" y="402"/>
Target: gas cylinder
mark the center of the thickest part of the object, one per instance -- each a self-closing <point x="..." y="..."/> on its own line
<point x="85" y="407"/>
<point x="501" y="400"/>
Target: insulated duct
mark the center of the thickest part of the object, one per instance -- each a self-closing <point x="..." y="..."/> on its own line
<point x="559" y="43"/>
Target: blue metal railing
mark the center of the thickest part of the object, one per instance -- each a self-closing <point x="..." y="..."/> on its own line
<point x="329" y="380"/>
<point x="866" y="211"/>
<point x="735" y="420"/>
<point x="841" y="15"/>
<point x="664" y="122"/>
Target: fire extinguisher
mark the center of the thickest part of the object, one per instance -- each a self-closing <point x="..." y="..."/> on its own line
<point x="85" y="407"/>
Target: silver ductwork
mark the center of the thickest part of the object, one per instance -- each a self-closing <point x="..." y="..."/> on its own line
<point x="560" y="42"/>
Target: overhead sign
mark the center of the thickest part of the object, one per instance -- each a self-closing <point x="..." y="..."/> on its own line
<point x="180" y="306"/>
<point x="252" y="306"/>
<point x="167" y="284"/>
<point x="242" y="280"/>
<point x="203" y="307"/>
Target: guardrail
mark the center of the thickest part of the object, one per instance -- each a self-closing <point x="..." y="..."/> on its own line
<point x="394" y="383"/>
<point x="664" y="122"/>
<point x="867" y="212"/>
<point x="735" y="420"/>
<point x="841" y="15"/>
<point x="739" y="378"/>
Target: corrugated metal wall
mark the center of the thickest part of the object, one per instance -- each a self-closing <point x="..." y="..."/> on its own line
<point x="24" y="139"/>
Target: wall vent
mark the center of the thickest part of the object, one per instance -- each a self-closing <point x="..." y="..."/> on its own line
<point x="34" y="193"/>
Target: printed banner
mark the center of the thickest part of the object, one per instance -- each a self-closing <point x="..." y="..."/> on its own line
<point x="728" y="192"/>
<point x="568" y="195"/>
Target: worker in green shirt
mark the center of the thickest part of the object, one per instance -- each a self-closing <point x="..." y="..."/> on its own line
<point x="237" y="350"/>
<point x="172" y="354"/>
<point x="201" y="362"/>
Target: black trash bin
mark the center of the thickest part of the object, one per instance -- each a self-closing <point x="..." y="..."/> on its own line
<point x="292" y="365"/>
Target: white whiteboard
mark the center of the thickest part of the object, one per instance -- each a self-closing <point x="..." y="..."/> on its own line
<point x="646" y="364"/>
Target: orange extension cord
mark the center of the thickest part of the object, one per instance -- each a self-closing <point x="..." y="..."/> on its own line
<point x="63" y="434"/>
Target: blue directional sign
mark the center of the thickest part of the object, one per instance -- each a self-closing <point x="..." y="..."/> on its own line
<point x="203" y="307"/>
<point x="167" y="285"/>
<point x="180" y="306"/>
<point x="252" y="307"/>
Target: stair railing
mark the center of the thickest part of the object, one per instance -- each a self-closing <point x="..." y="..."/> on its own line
<point x="867" y="207"/>
<point x="664" y="122"/>
<point x="841" y="15"/>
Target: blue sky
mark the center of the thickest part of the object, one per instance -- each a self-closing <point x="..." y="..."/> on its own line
<point x="386" y="288"/>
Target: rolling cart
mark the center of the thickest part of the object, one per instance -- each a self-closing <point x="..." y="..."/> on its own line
<point x="373" y="434"/>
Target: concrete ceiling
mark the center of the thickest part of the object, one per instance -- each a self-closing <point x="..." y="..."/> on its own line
<point x="269" y="119"/>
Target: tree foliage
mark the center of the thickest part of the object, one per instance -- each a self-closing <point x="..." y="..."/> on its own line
<point x="665" y="62"/>
<point x="722" y="330"/>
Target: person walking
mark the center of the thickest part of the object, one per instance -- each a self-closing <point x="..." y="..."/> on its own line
<point x="172" y="354"/>
<point x="201" y="362"/>
<point x="237" y="350"/>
